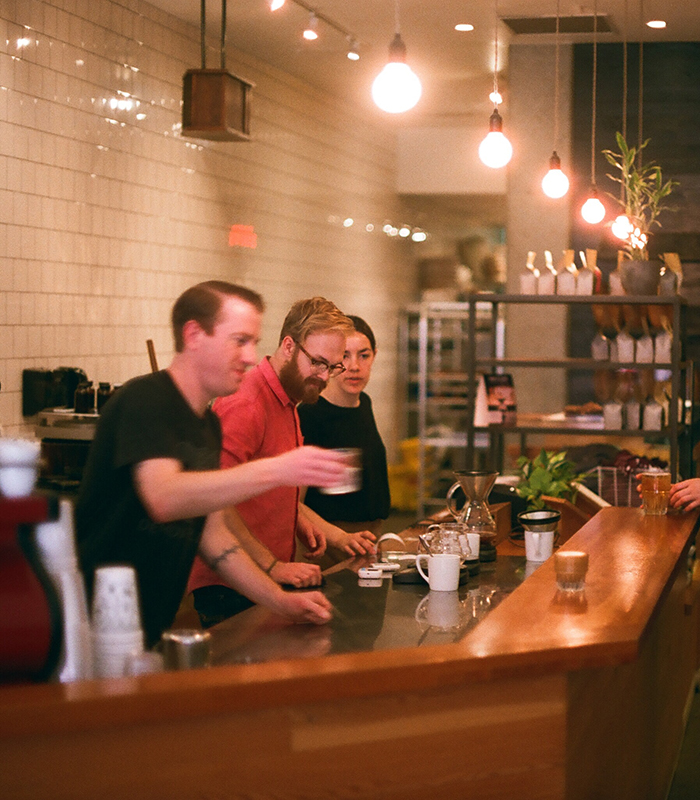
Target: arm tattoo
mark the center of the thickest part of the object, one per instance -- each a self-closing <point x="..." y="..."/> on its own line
<point x="214" y="563"/>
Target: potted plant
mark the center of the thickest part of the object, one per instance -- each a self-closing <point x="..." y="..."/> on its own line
<point x="641" y="202"/>
<point x="549" y="474"/>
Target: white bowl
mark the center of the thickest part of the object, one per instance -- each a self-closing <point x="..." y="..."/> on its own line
<point x="17" y="480"/>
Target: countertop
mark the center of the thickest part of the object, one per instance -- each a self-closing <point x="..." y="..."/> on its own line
<point x="532" y="630"/>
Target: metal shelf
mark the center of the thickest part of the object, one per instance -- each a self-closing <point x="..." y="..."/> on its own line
<point x="573" y="363"/>
<point x="578" y="431"/>
<point x="588" y="299"/>
<point x="567" y="363"/>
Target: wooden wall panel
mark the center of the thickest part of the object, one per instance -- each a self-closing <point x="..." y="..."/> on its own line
<point x="482" y="741"/>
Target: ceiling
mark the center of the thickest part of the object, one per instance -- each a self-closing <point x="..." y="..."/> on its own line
<point x="456" y="68"/>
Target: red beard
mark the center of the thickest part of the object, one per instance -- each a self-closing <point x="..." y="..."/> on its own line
<point x="298" y="388"/>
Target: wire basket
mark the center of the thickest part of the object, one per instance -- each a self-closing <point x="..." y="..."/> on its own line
<point x="617" y="487"/>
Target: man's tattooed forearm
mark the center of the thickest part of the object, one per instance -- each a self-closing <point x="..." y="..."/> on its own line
<point x="214" y="563"/>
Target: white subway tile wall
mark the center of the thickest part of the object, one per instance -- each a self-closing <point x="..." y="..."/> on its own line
<point x="107" y="213"/>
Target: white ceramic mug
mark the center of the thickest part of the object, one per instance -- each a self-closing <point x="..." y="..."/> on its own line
<point x="474" y="540"/>
<point x="443" y="571"/>
<point x="538" y="545"/>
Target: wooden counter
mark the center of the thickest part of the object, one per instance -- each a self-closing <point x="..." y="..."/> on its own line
<point x="542" y="699"/>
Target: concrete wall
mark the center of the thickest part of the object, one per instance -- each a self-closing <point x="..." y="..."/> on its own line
<point x="107" y="214"/>
<point x="445" y="160"/>
<point x="535" y="222"/>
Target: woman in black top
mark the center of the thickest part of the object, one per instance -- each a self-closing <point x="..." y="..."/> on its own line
<point x="343" y="417"/>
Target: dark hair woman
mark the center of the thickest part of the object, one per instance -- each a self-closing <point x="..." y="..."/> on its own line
<point x="343" y="417"/>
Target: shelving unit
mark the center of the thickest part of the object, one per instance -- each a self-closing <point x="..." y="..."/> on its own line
<point x="681" y="380"/>
<point x="435" y="340"/>
<point x="444" y="348"/>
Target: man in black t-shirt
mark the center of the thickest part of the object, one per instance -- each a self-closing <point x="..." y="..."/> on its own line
<point x="153" y="495"/>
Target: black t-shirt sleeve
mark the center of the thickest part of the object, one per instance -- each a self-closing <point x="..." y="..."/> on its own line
<point x="140" y="433"/>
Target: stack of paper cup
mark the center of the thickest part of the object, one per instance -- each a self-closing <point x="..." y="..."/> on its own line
<point x="116" y="620"/>
<point x="55" y="543"/>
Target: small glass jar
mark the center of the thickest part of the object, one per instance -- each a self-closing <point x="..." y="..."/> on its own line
<point x="104" y="392"/>
<point x="84" y="401"/>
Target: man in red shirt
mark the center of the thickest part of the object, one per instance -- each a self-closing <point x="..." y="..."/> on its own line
<point x="261" y="420"/>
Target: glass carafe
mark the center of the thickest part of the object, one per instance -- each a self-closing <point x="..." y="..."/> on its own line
<point x="447" y="537"/>
<point x="475" y="513"/>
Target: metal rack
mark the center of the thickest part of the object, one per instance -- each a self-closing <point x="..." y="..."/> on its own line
<point x="435" y="342"/>
<point x="680" y="404"/>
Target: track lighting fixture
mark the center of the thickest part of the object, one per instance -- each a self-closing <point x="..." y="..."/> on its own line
<point x="310" y="32"/>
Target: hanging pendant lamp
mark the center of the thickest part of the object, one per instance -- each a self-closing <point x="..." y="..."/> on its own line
<point x="397" y="88"/>
<point x="495" y="150"/>
<point x="215" y="103"/>
<point x="593" y="211"/>
<point x="555" y="184"/>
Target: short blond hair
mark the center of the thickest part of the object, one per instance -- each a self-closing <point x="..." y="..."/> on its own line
<point x="314" y="315"/>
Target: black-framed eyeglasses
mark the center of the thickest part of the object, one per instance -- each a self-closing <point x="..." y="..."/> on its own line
<point x="319" y="365"/>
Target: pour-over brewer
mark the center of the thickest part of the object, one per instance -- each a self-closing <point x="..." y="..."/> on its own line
<point x="475" y="513"/>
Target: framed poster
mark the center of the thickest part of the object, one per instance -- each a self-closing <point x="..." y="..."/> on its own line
<point x="500" y="399"/>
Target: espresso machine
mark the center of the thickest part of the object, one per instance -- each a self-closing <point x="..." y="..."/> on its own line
<point x="64" y="434"/>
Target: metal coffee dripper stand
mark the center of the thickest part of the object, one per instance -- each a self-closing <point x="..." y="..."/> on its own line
<point x="475" y="513"/>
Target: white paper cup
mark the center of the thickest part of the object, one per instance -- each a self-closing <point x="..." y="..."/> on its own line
<point x="115" y="602"/>
<point x="111" y="652"/>
<point x="352" y="480"/>
<point x="443" y="571"/>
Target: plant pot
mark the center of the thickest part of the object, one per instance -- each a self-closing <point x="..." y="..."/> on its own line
<point x="640" y="277"/>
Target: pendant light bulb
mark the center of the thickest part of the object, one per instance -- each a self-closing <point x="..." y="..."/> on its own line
<point x="555" y="184"/>
<point x="495" y="150"/>
<point x="593" y="211"/>
<point x="622" y="227"/>
<point x="397" y="88"/>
